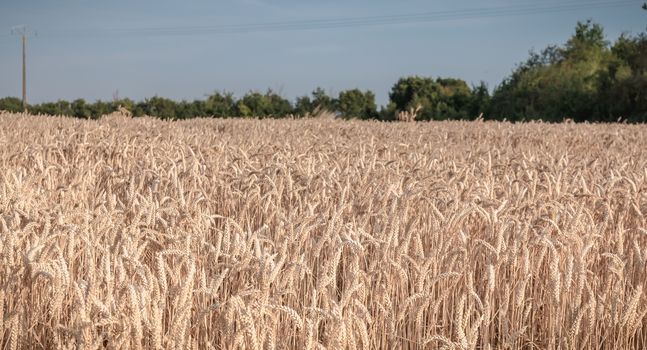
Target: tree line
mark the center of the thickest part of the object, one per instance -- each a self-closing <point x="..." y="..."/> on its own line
<point x="585" y="79"/>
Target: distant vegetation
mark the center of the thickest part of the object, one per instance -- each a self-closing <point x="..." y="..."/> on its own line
<point x="586" y="79"/>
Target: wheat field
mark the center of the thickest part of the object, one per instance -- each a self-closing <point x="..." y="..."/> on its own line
<point x="128" y="233"/>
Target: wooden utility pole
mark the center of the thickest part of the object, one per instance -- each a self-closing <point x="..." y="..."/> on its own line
<point x="23" y="32"/>
<point x="24" y="73"/>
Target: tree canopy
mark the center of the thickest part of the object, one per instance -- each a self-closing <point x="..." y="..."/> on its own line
<point x="588" y="78"/>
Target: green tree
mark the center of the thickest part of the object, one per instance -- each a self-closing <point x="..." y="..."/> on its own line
<point x="156" y="106"/>
<point x="220" y="104"/>
<point x="357" y="104"/>
<point x="322" y="101"/>
<point x="303" y="106"/>
<point x="124" y="103"/>
<point x="187" y="110"/>
<point x="269" y="104"/>
<point x="60" y="107"/>
<point x="479" y="102"/>
<point x="11" y="104"/>
<point x="560" y="82"/>
<point x="623" y="85"/>
<point x="442" y="98"/>
<point x="99" y="108"/>
<point x="80" y="109"/>
<point x="588" y="40"/>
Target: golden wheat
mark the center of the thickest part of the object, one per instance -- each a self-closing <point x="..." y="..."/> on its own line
<point x="321" y="234"/>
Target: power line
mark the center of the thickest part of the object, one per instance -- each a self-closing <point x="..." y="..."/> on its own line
<point x="351" y="22"/>
<point x="524" y="9"/>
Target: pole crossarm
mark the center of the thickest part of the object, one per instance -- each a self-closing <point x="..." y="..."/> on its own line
<point x="22" y="30"/>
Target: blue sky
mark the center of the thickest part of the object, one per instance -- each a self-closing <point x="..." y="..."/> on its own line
<point x="90" y="49"/>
